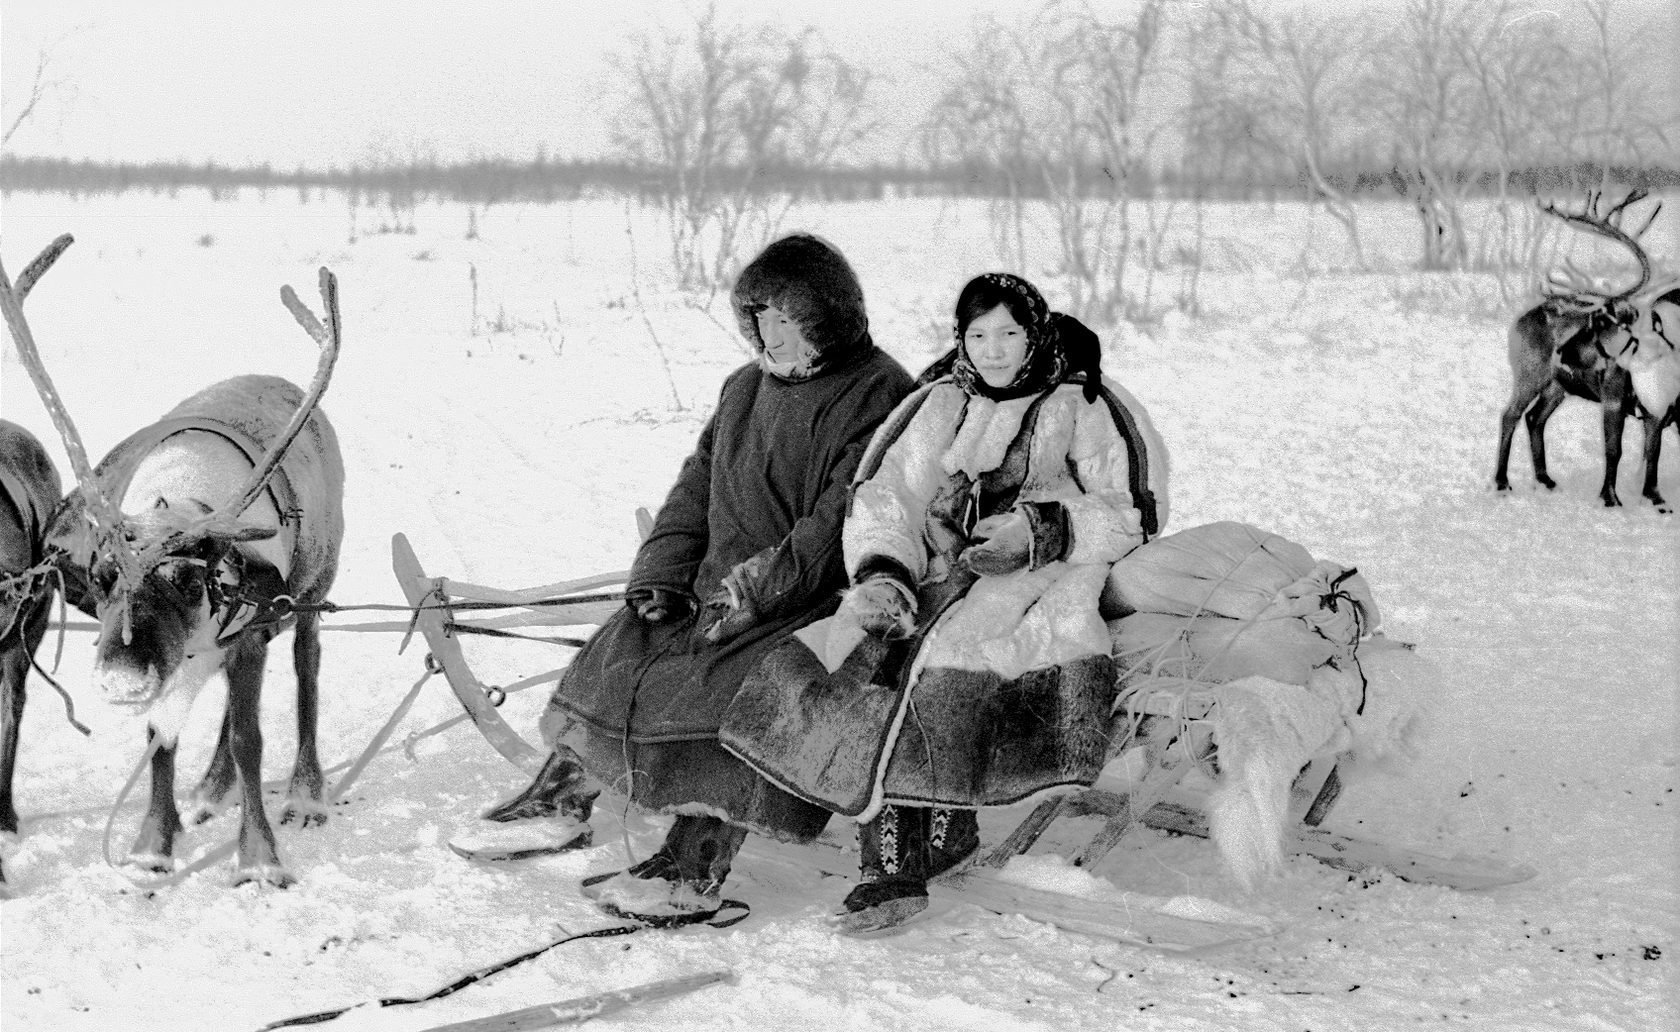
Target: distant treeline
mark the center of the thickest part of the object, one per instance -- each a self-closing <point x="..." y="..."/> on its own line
<point x="548" y="181"/>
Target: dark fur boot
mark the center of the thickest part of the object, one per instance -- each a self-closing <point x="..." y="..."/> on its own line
<point x="953" y="836"/>
<point x="680" y="883"/>
<point x="893" y="865"/>
<point x="558" y="790"/>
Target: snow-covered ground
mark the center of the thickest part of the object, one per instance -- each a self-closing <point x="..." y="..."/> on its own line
<point x="505" y="402"/>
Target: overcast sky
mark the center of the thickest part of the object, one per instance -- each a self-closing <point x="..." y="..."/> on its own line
<point x="318" y="83"/>
<point x="357" y="81"/>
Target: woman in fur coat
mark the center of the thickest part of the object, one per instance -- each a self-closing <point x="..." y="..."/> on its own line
<point x="969" y="664"/>
<point x="745" y="550"/>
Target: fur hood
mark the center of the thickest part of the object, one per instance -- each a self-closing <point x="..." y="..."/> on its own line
<point x="810" y="280"/>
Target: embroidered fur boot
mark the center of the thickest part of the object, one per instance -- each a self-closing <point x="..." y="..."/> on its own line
<point x="893" y="867"/>
<point x="953" y="836"/>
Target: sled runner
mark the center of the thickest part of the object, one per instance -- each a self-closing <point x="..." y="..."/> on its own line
<point x="1170" y="732"/>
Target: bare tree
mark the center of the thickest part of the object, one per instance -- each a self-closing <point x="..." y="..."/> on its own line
<point x="983" y="118"/>
<point x="1424" y="97"/>
<point x="1619" y="122"/>
<point x="48" y="81"/>
<point x="1063" y="110"/>
<point x="727" y="117"/>
<point x="1286" y="85"/>
<point x="1520" y="65"/>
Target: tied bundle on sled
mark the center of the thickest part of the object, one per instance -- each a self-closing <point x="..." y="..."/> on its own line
<point x="1249" y="626"/>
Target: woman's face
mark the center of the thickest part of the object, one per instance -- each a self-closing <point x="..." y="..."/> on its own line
<point x="997" y="345"/>
<point x="783" y="340"/>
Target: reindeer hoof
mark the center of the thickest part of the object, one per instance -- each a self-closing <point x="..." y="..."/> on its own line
<point x="306" y="814"/>
<point x="156" y="863"/>
<point x="265" y="874"/>
<point x="1547" y="482"/>
<point x="201" y="810"/>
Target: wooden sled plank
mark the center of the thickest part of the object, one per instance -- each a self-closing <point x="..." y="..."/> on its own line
<point x="1166" y="768"/>
<point x="1315" y="792"/>
<point x="570" y="614"/>
<point x="529" y="596"/>
<point x="1132" y="919"/>
<point x="573" y="1012"/>
<point x="446" y="651"/>
<point x="1025" y="834"/>
<point x="1345" y="853"/>
<point x="1160" y="779"/>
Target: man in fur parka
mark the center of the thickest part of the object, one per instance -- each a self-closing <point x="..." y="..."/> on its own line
<point x="969" y="665"/>
<point x="745" y="550"/>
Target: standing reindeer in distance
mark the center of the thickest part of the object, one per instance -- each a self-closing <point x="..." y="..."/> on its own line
<point x="195" y="542"/>
<point x="1580" y="340"/>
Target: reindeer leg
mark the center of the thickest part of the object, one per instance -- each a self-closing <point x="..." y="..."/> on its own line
<point x="304" y="797"/>
<point x="14" y="668"/>
<point x="1615" y="414"/>
<point x="14" y="692"/>
<point x="207" y="798"/>
<point x="1551" y="396"/>
<point x="1520" y="401"/>
<point x="1653" y="452"/>
<point x="259" y="859"/>
<point x="154" y="846"/>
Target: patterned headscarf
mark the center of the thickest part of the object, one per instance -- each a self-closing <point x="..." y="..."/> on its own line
<point x="1042" y="367"/>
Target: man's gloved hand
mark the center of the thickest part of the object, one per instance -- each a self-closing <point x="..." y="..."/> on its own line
<point x="657" y="605"/>
<point x="1002" y="544"/>
<point x="729" y="611"/>
<point x="882" y="606"/>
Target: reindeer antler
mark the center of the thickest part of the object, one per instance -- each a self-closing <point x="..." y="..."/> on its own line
<point x="105" y="516"/>
<point x="1580" y="294"/>
<point x="328" y="337"/>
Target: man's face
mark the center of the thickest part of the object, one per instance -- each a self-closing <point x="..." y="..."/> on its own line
<point x="783" y="341"/>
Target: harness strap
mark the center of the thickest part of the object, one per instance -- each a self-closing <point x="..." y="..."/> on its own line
<point x="485" y="972"/>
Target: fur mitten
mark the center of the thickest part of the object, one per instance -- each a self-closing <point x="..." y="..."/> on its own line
<point x="882" y="606"/>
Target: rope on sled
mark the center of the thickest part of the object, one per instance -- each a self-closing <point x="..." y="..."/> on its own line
<point x="1189" y="696"/>
<point x="1180" y="688"/>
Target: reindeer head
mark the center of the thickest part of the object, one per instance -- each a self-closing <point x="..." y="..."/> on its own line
<point x="1591" y="321"/>
<point x="181" y="591"/>
<point x="1652" y="334"/>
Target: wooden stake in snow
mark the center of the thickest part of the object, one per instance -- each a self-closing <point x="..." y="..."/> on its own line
<point x="573" y="1012"/>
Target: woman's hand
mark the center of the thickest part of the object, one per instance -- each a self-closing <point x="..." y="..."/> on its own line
<point x="881" y="606"/>
<point x="1002" y="544"/>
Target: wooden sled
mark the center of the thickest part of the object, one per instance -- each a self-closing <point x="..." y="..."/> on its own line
<point x="577" y="603"/>
<point x="1173" y="742"/>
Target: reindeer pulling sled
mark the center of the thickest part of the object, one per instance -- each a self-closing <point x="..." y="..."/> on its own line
<point x="1260" y="638"/>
